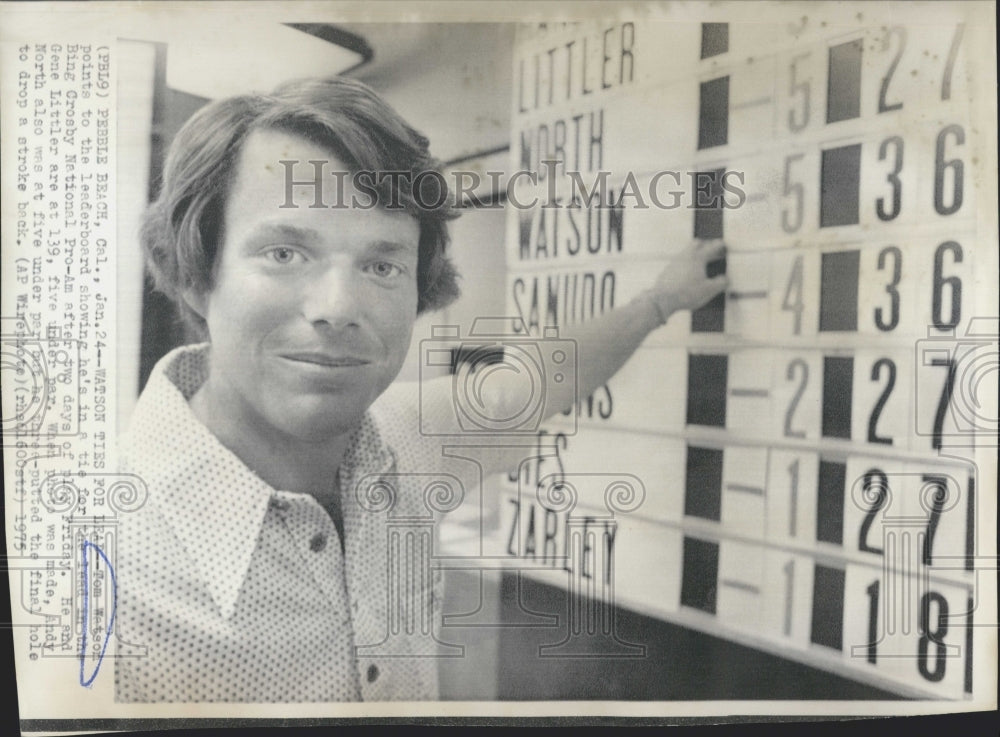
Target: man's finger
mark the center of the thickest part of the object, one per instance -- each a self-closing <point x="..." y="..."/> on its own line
<point x="712" y="249"/>
<point x="718" y="283"/>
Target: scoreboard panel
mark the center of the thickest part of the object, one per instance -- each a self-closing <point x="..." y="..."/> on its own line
<point x="781" y="446"/>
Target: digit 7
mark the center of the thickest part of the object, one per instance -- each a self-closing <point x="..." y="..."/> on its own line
<point x="943" y="402"/>
<point x="940" y="485"/>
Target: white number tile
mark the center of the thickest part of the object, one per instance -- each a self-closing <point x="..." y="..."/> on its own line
<point x="751" y="103"/>
<point x="791" y="496"/>
<point x="876" y="407"/>
<point x="880" y="313"/>
<point x="744" y="479"/>
<point x="941" y="518"/>
<point x="786" y="598"/>
<point x="873" y="512"/>
<point x="756" y="224"/>
<point x="794" y="295"/>
<point x="801" y="90"/>
<point x="738" y="596"/>
<point x="889" y="198"/>
<point x="797" y="381"/>
<point x="747" y="299"/>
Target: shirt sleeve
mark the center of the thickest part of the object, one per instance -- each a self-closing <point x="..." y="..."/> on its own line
<point x="420" y="422"/>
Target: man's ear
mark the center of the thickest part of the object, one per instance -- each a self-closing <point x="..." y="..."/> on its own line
<point x="197" y="300"/>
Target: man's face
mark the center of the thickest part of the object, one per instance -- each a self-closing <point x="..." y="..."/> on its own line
<point x="311" y="309"/>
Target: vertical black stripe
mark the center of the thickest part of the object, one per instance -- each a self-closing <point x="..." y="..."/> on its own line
<point x="714" y="39"/>
<point x="828" y="607"/>
<point x="699" y="581"/>
<point x="708" y="223"/>
<point x="970" y="526"/>
<point x="703" y="483"/>
<point x="968" y="647"/>
<point x="830" y="493"/>
<point x="711" y="317"/>
<point x="838" y="384"/>
<point x="838" y="295"/>
<point x="706" y="394"/>
<point x="713" y="113"/>
<point x="839" y="193"/>
<point x="843" y="91"/>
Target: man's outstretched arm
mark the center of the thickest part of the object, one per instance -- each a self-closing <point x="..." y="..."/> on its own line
<point x="604" y="344"/>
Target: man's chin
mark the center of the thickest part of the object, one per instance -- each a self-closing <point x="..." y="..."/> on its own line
<point x="322" y="421"/>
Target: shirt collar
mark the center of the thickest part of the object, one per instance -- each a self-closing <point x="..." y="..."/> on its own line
<point x="211" y="500"/>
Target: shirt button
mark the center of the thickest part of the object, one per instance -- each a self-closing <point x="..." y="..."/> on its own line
<point x="372" y="673"/>
<point x="318" y="542"/>
<point x="280" y="505"/>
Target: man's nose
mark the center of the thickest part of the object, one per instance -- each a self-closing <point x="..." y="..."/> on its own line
<point x="333" y="298"/>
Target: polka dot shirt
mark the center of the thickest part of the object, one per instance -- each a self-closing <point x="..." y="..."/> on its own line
<point x="231" y="590"/>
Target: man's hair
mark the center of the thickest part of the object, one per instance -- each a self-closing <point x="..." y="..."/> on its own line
<point x="182" y="230"/>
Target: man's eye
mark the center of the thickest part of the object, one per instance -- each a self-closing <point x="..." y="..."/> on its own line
<point x="282" y="255"/>
<point x="385" y="269"/>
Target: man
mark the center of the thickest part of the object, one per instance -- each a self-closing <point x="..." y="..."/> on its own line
<point x="257" y="570"/>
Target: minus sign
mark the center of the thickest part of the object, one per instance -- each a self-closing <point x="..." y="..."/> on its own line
<point x="749" y="588"/>
<point x="761" y="294"/>
<point x="752" y="103"/>
<point x="745" y="489"/>
<point x="749" y="392"/>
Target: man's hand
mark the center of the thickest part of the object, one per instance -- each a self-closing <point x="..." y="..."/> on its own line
<point x="684" y="283"/>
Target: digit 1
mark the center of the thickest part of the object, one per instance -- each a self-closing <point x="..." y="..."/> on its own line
<point x="793" y="504"/>
<point x="873" y="592"/>
<point x="789" y="569"/>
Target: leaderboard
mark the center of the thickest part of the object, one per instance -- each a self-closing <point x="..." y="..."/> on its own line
<point x="787" y="443"/>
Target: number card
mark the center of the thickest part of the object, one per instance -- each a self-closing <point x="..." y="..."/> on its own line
<point x="744" y="489"/>
<point x="741" y="569"/>
<point x="801" y="102"/>
<point x="797" y="378"/>
<point x="876" y="492"/>
<point x="882" y="398"/>
<point x="748" y="399"/>
<point x="786" y="598"/>
<point x="747" y="308"/>
<point x="792" y="478"/>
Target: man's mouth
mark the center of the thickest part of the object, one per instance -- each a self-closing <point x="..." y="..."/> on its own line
<point x="326" y="360"/>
